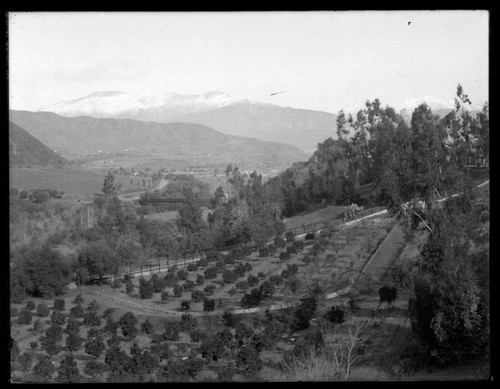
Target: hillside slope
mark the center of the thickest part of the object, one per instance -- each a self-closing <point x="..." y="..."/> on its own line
<point x="81" y="136"/>
<point x="26" y="150"/>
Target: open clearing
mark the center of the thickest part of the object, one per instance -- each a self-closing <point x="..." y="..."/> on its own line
<point x="70" y="181"/>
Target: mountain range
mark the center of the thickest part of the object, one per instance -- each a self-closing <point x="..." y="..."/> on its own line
<point x="82" y="136"/>
<point x="232" y="116"/>
<point x="241" y="117"/>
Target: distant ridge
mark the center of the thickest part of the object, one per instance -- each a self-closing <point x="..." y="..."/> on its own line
<point x="81" y="136"/>
<point x="245" y="117"/>
<point x="26" y="150"/>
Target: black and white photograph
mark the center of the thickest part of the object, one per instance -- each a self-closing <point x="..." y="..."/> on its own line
<point x="248" y="196"/>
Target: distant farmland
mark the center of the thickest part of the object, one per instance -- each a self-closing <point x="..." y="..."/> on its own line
<point x="70" y="181"/>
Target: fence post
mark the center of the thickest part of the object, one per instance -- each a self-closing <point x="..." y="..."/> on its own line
<point x="150" y="269"/>
<point x="141" y="269"/>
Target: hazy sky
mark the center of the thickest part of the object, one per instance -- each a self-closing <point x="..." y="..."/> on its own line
<point x="321" y="60"/>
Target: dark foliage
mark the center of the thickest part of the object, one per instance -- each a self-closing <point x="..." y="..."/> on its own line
<point x="335" y="315"/>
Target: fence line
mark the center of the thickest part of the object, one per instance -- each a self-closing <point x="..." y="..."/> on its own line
<point x="159" y="266"/>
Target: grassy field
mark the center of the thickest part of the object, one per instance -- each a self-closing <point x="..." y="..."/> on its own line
<point x="70" y="181"/>
<point x="314" y="216"/>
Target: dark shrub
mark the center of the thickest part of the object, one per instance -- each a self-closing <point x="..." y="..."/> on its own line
<point x="30" y="305"/>
<point x="317" y="249"/>
<point x="93" y="307"/>
<point x="54" y="333"/>
<point x="59" y="304"/>
<point x="73" y="342"/>
<point x="304" y="313"/>
<point x="241" y="269"/>
<point x="145" y="289"/>
<point x="91" y="319"/>
<point x="276" y="280"/>
<point x="172" y="330"/>
<point x="284" y="256"/>
<point x="197" y="335"/>
<point x="197" y="295"/>
<point x="24" y="317"/>
<point x="228" y="319"/>
<point x="290" y="236"/>
<point x="220" y="266"/>
<point x="170" y="279"/>
<point x="291" y="250"/>
<point x="95" y="347"/>
<point x="43" y="310"/>
<point x="157" y="283"/>
<point x="309" y="236"/>
<point x="38" y="325"/>
<point x="229" y="277"/>
<point x="298" y="245"/>
<point x="209" y="289"/>
<point x="72" y="326"/>
<point x="178" y="290"/>
<point x="208" y="305"/>
<point x="58" y="317"/>
<point x="290" y="271"/>
<point x="185" y="305"/>
<point x="108" y="313"/>
<point x="248" y="359"/>
<point x="164" y="296"/>
<point x="335" y="315"/>
<point x="324" y="242"/>
<point x="242" y="286"/>
<point x="182" y="275"/>
<point x="279" y="242"/>
<point x="187" y="323"/>
<point x="252" y="280"/>
<point x="267" y="289"/>
<point x="387" y="294"/>
<point x="25" y="361"/>
<point x="200" y="280"/>
<point x="129" y="287"/>
<point x="230" y="259"/>
<point x="307" y="259"/>
<point x="264" y="252"/>
<point x="13" y="312"/>
<point x="44" y="369"/>
<point x="77" y="312"/>
<point x="188" y="285"/>
<point x="213" y="256"/>
<point x="147" y="327"/>
<point x="210" y="273"/>
<point x="252" y="299"/>
<point x="192" y="267"/>
<point x="127" y="323"/>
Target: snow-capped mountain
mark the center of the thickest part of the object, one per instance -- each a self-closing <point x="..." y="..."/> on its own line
<point x="218" y="110"/>
<point x="406" y="107"/>
<point x="119" y="104"/>
<point x="433" y="102"/>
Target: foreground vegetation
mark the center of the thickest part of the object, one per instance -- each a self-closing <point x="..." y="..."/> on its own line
<point x="436" y="289"/>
